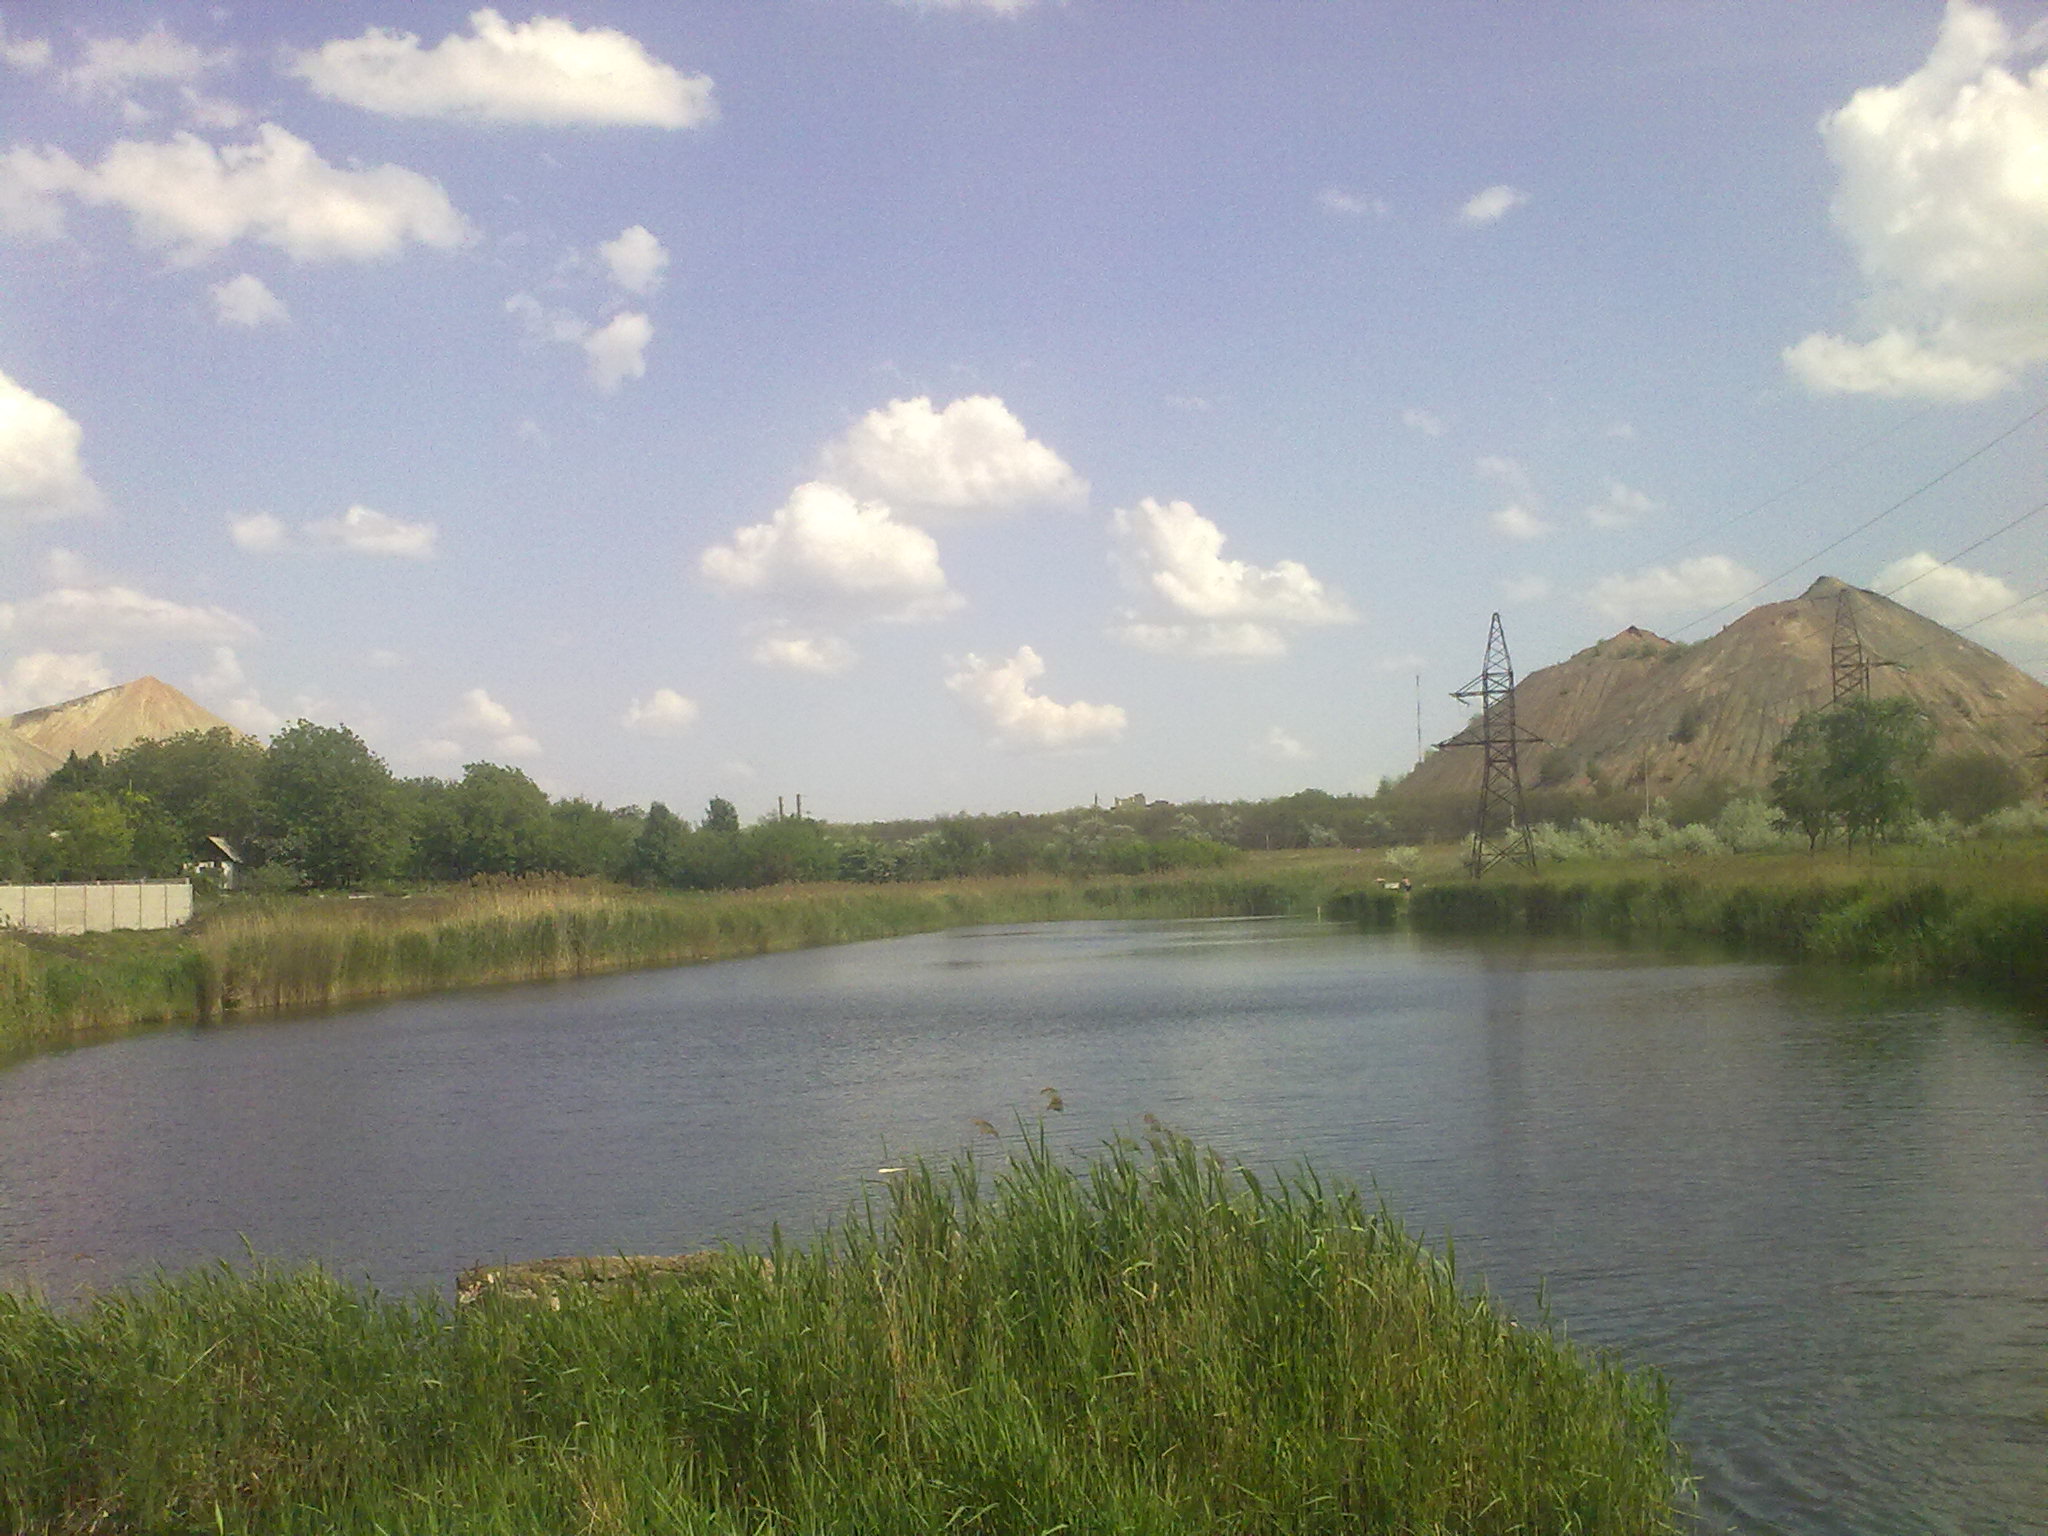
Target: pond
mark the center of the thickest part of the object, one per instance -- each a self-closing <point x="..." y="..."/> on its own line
<point x="1819" y="1206"/>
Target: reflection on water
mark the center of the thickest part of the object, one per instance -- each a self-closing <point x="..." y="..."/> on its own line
<point x="1823" y="1211"/>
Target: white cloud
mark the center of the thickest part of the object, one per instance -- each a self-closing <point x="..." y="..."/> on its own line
<point x="364" y="531"/>
<point x="1505" y="472"/>
<point x="1000" y="693"/>
<point x="1350" y="205"/>
<point x="971" y="459"/>
<point x="1955" y="595"/>
<point x="227" y="687"/>
<point x="480" y="717"/>
<point x="51" y="677"/>
<point x="28" y="54"/>
<point x="986" y="7"/>
<point x="186" y="197"/>
<point x="1239" y="640"/>
<point x="1518" y="522"/>
<point x="110" y="615"/>
<point x="617" y="350"/>
<point x="1945" y="203"/>
<point x="825" y="655"/>
<point x="664" y="712"/>
<point x="1282" y="746"/>
<point x="40" y="473"/>
<point x="636" y="260"/>
<point x="66" y="568"/>
<point x="1172" y="553"/>
<point x="259" y="533"/>
<point x="114" y="65"/>
<point x="1703" y="582"/>
<point x="613" y="353"/>
<point x="1428" y="423"/>
<point x="1492" y="205"/>
<point x="1622" y="507"/>
<point x="545" y="71"/>
<point x="246" y="300"/>
<point x="824" y="543"/>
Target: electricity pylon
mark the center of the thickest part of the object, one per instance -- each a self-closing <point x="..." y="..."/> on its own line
<point x="1851" y="664"/>
<point x="1500" y="834"/>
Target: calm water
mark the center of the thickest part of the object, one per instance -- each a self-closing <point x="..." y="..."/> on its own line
<point x="1821" y="1209"/>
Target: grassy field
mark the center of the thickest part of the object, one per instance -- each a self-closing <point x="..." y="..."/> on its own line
<point x="1157" y="1343"/>
<point x="297" y="951"/>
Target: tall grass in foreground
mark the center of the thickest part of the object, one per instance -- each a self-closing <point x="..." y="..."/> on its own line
<point x="1157" y="1343"/>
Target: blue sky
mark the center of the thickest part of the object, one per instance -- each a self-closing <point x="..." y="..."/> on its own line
<point x="932" y="406"/>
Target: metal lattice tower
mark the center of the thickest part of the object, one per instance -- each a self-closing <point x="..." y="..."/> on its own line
<point x="1500" y="834"/>
<point x="1851" y="666"/>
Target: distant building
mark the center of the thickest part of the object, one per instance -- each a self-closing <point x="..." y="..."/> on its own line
<point x="220" y="859"/>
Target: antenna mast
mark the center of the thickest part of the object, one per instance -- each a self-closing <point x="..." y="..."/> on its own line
<point x="1500" y="832"/>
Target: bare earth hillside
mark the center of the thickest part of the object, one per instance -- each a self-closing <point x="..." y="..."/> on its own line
<point x="1637" y="706"/>
<point x="107" y="721"/>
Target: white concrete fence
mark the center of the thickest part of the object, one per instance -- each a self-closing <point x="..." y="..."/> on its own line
<point x="98" y="908"/>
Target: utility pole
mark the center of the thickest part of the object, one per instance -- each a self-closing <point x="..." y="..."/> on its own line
<point x="1500" y="832"/>
<point x="1418" y="719"/>
<point x="1851" y="667"/>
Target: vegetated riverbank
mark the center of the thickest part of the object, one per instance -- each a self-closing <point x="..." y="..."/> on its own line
<point x="1975" y="912"/>
<point x="300" y="951"/>
<point x="1158" y="1343"/>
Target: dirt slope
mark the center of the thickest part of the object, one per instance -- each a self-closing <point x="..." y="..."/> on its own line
<point x="1693" y="714"/>
<point x="113" y="718"/>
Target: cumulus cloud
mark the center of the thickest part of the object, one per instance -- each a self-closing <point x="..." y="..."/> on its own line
<point x="1492" y="205"/>
<point x="1350" y="205"/>
<point x="365" y="531"/>
<point x="985" y="7"/>
<point x="479" y="717"/>
<point x="112" y="66"/>
<point x="187" y="198"/>
<point x="794" y="651"/>
<point x="1956" y="596"/>
<point x="227" y="688"/>
<point x="636" y="260"/>
<point x="1428" y="423"/>
<point x="1000" y="693"/>
<point x="41" y="476"/>
<point x="1174" y="555"/>
<point x="938" y="467"/>
<point x="1703" y="582"/>
<point x="546" y="71"/>
<point x="824" y="543"/>
<point x="1516" y="521"/>
<point x="51" y="677"/>
<point x="27" y="54"/>
<point x="246" y="300"/>
<point x="111" y="615"/>
<point x="1283" y="746"/>
<point x="612" y="353"/>
<point x="1622" y="507"/>
<point x="259" y="533"/>
<point x="1943" y="199"/>
<point x="663" y="712"/>
<point x="617" y="350"/>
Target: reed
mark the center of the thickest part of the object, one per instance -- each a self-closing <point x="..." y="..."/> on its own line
<point x="305" y="951"/>
<point x="1973" y="913"/>
<point x="1155" y="1343"/>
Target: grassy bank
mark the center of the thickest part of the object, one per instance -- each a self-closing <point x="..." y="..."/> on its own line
<point x="1976" y="913"/>
<point x="302" y="951"/>
<point x="1158" y="1343"/>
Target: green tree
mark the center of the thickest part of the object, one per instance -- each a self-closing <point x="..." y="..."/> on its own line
<point x="659" y="849"/>
<point x="587" y="839"/>
<point x="720" y="816"/>
<point x="1970" y="785"/>
<point x="331" y="806"/>
<point x="210" y="783"/>
<point x="1848" y="767"/>
<point x="501" y="822"/>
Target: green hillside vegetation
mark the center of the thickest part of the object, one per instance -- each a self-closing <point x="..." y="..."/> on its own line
<point x="1156" y="1343"/>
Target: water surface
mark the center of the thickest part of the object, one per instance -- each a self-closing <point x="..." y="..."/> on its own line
<point x="1820" y="1208"/>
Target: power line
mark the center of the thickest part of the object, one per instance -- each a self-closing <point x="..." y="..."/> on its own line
<point x="1966" y="549"/>
<point x="1868" y="524"/>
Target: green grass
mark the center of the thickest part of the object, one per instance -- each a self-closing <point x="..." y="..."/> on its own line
<point x="302" y="951"/>
<point x="1156" y="1343"/>
<point x="1975" y="913"/>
